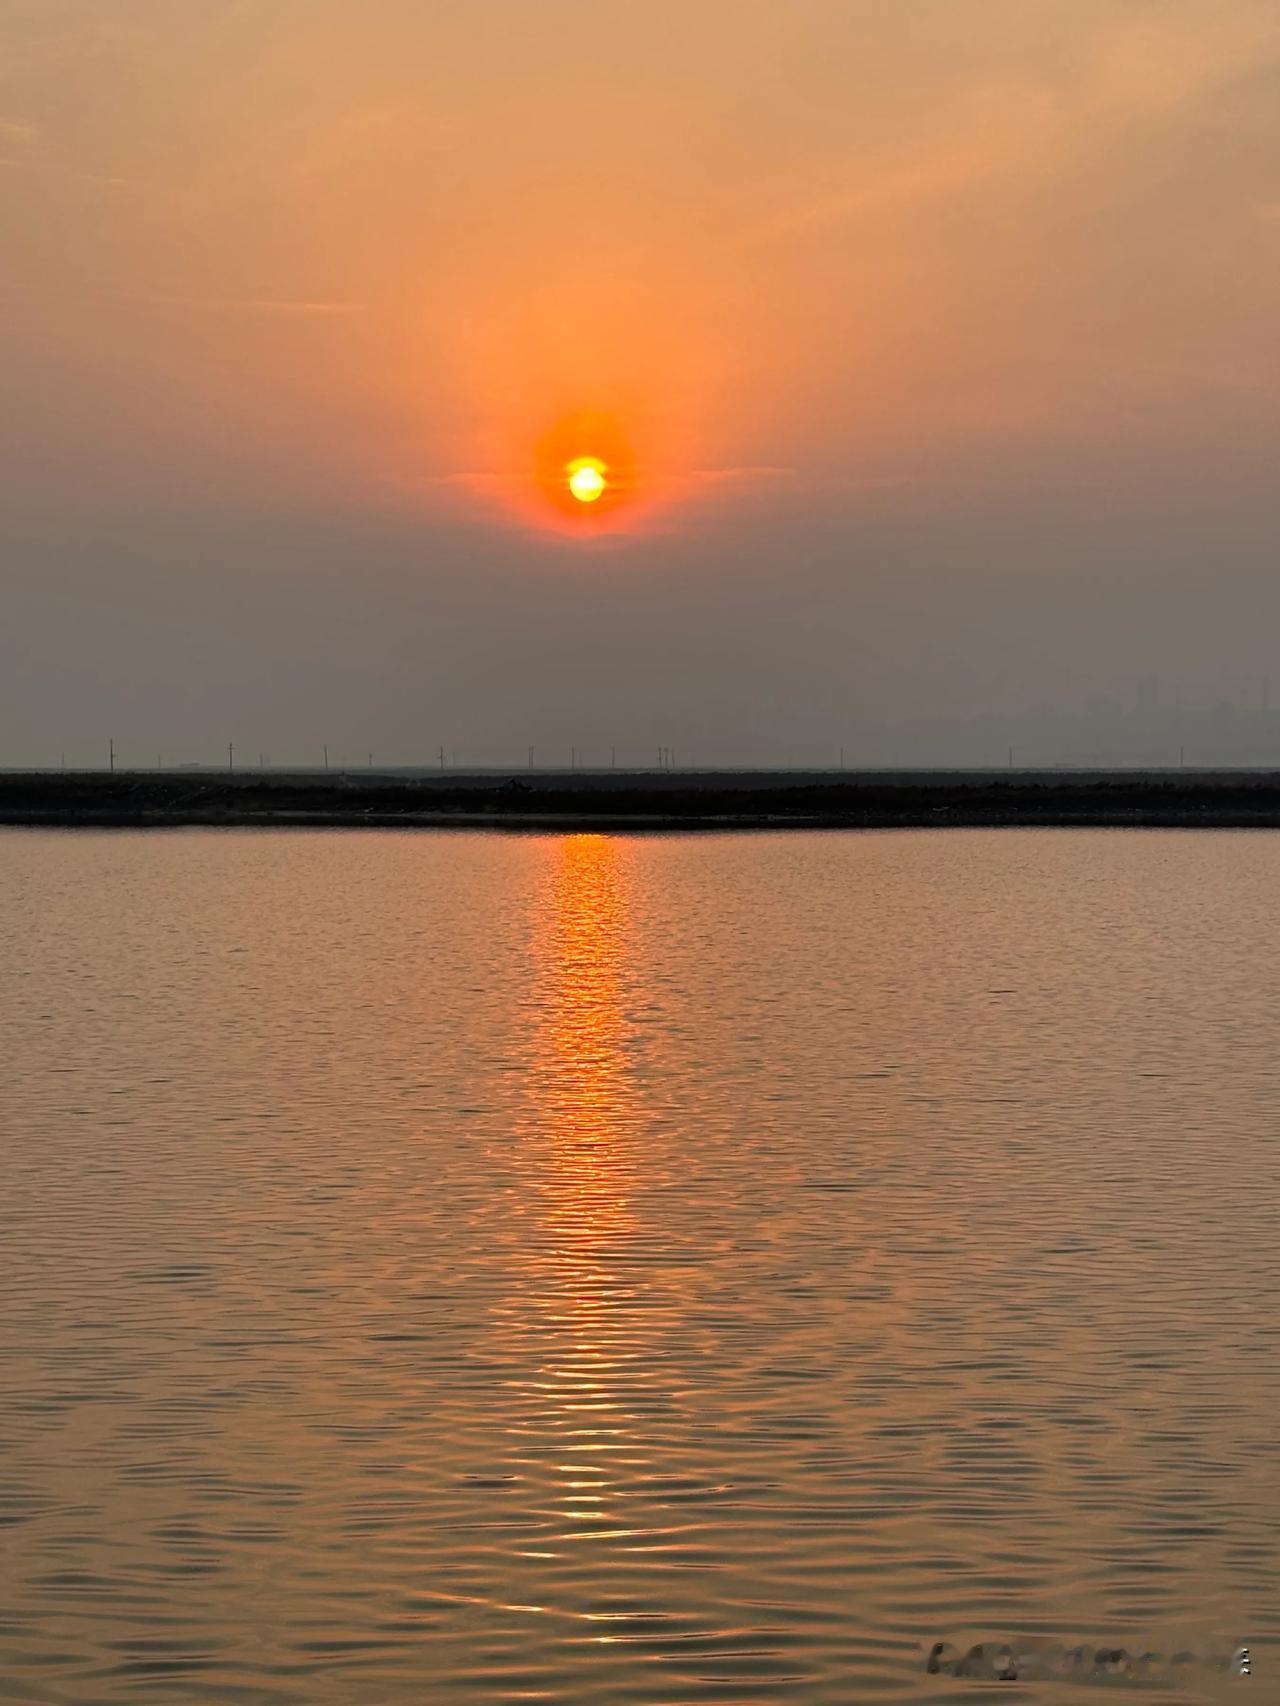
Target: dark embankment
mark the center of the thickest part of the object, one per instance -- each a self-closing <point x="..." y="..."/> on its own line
<point x="617" y="799"/>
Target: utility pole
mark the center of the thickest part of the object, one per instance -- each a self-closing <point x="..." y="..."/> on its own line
<point x="326" y="756"/>
<point x="231" y="756"/>
<point x="371" y="761"/>
<point x="442" y="758"/>
<point x="111" y="756"/>
<point x="573" y="758"/>
<point x="531" y="758"/>
<point x="64" y="761"/>
<point x="842" y="758"/>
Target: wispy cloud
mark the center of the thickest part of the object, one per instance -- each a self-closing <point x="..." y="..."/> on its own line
<point x="916" y="182"/>
<point x="730" y="476"/>
<point x="15" y="138"/>
<point x="251" y="305"/>
<point x="1150" y="67"/>
<point x="995" y="130"/>
<point x="102" y="179"/>
<point x="19" y="153"/>
<point x="474" y="477"/>
<point x="1154" y="63"/>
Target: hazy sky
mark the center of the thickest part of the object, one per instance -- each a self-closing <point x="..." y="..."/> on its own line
<point x="943" y="338"/>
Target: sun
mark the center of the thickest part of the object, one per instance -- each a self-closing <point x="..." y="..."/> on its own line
<point x="586" y="475"/>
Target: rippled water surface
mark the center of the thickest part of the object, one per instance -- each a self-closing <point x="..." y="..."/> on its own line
<point x="468" y="1268"/>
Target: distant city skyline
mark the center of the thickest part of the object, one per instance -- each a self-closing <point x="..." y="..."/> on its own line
<point x="1147" y="722"/>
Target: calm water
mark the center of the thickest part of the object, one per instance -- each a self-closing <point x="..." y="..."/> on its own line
<point x="467" y="1268"/>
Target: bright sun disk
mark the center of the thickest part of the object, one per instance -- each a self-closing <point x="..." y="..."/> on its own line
<point x="586" y="479"/>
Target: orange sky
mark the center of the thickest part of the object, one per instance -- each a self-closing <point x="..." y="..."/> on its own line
<point x="813" y="261"/>
<point x="392" y="247"/>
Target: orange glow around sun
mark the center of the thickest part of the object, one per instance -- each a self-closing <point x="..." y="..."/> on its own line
<point x="585" y="471"/>
<point x="581" y="405"/>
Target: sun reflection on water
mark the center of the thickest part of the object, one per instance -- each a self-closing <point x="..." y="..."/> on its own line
<point x="577" y="1290"/>
<point x="584" y="1088"/>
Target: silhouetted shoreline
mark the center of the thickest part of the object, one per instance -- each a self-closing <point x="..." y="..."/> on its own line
<point x="644" y="800"/>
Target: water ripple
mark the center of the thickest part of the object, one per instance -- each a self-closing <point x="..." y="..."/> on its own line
<point x="652" y="1271"/>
